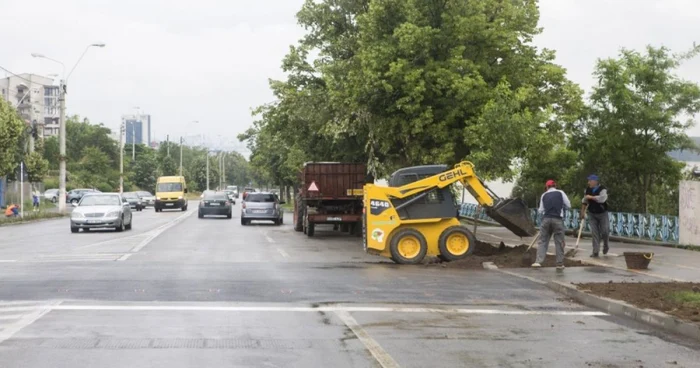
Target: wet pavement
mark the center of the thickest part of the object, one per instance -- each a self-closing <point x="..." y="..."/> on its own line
<point x="179" y="291"/>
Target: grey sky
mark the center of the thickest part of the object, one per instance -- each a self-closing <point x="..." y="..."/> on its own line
<point x="209" y="60"/>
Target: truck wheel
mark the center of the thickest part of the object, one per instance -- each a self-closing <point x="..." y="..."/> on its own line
<point x="456" y="243"/>
<point x="408" y="246"/>
<point x="344" y="228"/>
<point x="310" y="229"/>
<point x="298" y="215"/>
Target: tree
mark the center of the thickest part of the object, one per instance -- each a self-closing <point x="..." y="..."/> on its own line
<point x="37" y="167"/>
<point x="634" y="120"/>
<point x="406" y="82"/>
<point x="12" y="130"/>
<point x="145" y="169"/>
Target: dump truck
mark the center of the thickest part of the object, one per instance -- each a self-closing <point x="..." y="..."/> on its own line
<point x="330" y="193"/>
<point x="416" y="216"/>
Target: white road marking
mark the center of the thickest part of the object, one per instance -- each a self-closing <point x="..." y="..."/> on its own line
<point x="8" y="260"/>
<point x="11" y="316"/>
<point x="200" y="308"/>
<point x="269" y="239"/>
<point x="10" y="330"/>
<point x="283" y="253"/>
<point x="383" y="358"/>
<point x="117" y="240"/>
<point x="152" y="234"/>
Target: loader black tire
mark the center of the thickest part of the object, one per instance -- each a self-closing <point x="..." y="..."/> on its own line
<point x="455" y="243"/>
<point x="411" y="240"/>
<point x="299" y="218"/>
<point x="310" y="228"/>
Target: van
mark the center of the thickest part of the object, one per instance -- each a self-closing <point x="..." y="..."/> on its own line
<point x="170" y="193"/>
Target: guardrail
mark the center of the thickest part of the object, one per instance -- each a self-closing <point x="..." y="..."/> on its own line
<point x="628" y="225"/>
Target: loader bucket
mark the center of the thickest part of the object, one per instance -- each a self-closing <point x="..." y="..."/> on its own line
<point x="514" y="215"/>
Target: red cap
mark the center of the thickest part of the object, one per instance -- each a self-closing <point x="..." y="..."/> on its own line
<point x="550" y="183"/>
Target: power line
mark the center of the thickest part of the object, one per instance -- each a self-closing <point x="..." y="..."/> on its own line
<point x="28" y="80"/>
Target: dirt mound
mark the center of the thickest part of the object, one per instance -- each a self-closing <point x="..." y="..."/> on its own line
<point x="505" y="257"/>
<point x="679" y="299"/>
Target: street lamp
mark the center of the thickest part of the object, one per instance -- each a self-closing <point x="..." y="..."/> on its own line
<point x="181" y="142"/>
<point x="62" y="125"/>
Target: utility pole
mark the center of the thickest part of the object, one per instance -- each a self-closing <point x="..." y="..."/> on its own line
<point x="180" y="156"/>
<point x="167" y="143"/>
<point x="223" y="171"/>
<point x="122" y="130"/>
<point x="62" y="148"/>
<point x="207" y="168"/>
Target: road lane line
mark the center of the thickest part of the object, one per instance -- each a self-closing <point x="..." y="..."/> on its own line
<point x="10" y="330"/>
<point x="269" y="239"/>
<point x="383" y="358"/>
<point x="199" y="308"/>
<point x="152" y="234"/>
<point x="8" y="260"/>
<point x="283" y="253"/>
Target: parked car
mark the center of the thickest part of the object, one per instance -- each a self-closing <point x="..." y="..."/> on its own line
<point x="51" y="195"/>
<point x="234" y="189"/>
<point x="75" y="195"/>
<point x="134" y="200"/>
<point x="262" y="206"/>
<point x="147" y="198"/>
<point x="216" y="203"/>
<point x="101" y="210"/>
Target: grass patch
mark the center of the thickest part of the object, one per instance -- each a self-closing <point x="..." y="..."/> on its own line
<point x="29" y="217"/>
<point x="685" y="297"/>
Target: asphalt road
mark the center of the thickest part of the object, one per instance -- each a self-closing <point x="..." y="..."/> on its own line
<point x="178" y="291"/>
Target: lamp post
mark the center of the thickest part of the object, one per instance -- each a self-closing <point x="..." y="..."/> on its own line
<point x="62" y="125"/>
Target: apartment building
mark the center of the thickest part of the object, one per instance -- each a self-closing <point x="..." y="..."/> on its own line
<point x="36" y="99"/>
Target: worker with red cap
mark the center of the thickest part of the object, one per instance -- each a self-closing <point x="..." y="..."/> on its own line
<point x="552" y="205"/>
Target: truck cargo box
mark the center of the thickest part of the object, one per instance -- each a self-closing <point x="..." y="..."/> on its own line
<point x="332" y="180"/>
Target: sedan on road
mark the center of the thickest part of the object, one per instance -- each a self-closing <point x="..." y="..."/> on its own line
<point x="147" y="198"/>
<point x="231" y="196"/>
<point x="134" y="200"/>
<point x="51" y="195"/>
<point x="101" y="210"/>
<point x="216" y="203"/>
<point x="75" y="195"/>
<point x="262" y="206"/>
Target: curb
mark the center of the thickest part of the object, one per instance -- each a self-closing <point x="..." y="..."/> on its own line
<point x="32" y="221"/>
<point x="622" y="309"/>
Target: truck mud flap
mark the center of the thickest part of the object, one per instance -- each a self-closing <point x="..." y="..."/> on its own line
<point x="514" y="215"/>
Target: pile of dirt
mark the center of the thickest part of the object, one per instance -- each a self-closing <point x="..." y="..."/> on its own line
<point x="505" y="257"/>
<point x="662" y="296"/>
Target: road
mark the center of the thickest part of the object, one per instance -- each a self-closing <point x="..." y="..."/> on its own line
<point x="178" y="291"/>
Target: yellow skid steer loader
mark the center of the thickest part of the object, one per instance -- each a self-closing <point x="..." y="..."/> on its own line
<point x="416" y="214"/>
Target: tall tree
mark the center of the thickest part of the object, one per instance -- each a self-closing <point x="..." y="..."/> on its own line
<point x="12" y="129"/>
<point x="637" y="115"/>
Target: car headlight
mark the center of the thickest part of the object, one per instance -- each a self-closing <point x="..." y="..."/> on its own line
<point x="179" y="197"/>
<point x="112" y="214"/>
<point x="77" y="215"/>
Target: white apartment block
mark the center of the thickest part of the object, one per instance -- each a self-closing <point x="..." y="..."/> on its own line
<point x="36" y="99"/>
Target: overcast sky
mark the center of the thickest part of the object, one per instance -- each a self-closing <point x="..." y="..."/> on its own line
<point x="210" y="60"/>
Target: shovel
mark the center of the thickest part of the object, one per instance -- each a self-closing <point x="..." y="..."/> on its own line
<point x="578" y="238"/>
<point x="526" y="256"/>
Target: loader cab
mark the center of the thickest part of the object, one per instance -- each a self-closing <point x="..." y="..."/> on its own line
<point x="438" y="203"/>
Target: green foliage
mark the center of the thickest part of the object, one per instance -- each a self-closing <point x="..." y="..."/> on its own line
<point x="37" y="167"/>
<point x="51" y="152"/>
<point x="406" y="82"/>
<point x="12" y="130"/>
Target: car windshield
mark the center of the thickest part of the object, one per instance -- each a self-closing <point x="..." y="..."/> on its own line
<point x="169" y="187"/>
<point x="144" y="194"/>
<point x="268" y="198"/>
<point x="215" y="196"/>
<point x="100" y="200"/>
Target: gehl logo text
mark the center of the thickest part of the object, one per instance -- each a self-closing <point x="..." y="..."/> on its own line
<point x="452" y="174"/>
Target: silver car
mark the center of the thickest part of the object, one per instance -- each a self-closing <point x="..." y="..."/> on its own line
<point x="261" y="206"/>
<point x="147" y="199"/>
<point x="101" y="210"/>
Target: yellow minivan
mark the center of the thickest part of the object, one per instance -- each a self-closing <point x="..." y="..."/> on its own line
<point x="170" y="193"/>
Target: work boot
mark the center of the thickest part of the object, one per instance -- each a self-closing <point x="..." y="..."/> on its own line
<point x="606" y="249"/>
<point x="536" y="265"/>
<point x="594" y="255"/>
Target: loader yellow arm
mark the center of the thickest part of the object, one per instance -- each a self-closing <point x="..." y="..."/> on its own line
<point x="463" y="172"/>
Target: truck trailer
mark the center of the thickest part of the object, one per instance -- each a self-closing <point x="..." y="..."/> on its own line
<point x="330" y="193"/>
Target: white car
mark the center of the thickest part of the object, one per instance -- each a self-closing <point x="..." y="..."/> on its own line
<point x="101" y="210"/>
<point x="51" y="195"/>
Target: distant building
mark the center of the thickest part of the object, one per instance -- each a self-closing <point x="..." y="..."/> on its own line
<point x="36" y="99"/>
<point x="137" y="129"/>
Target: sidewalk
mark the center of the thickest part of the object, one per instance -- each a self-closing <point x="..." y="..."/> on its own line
<point x="668" y="264"/>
